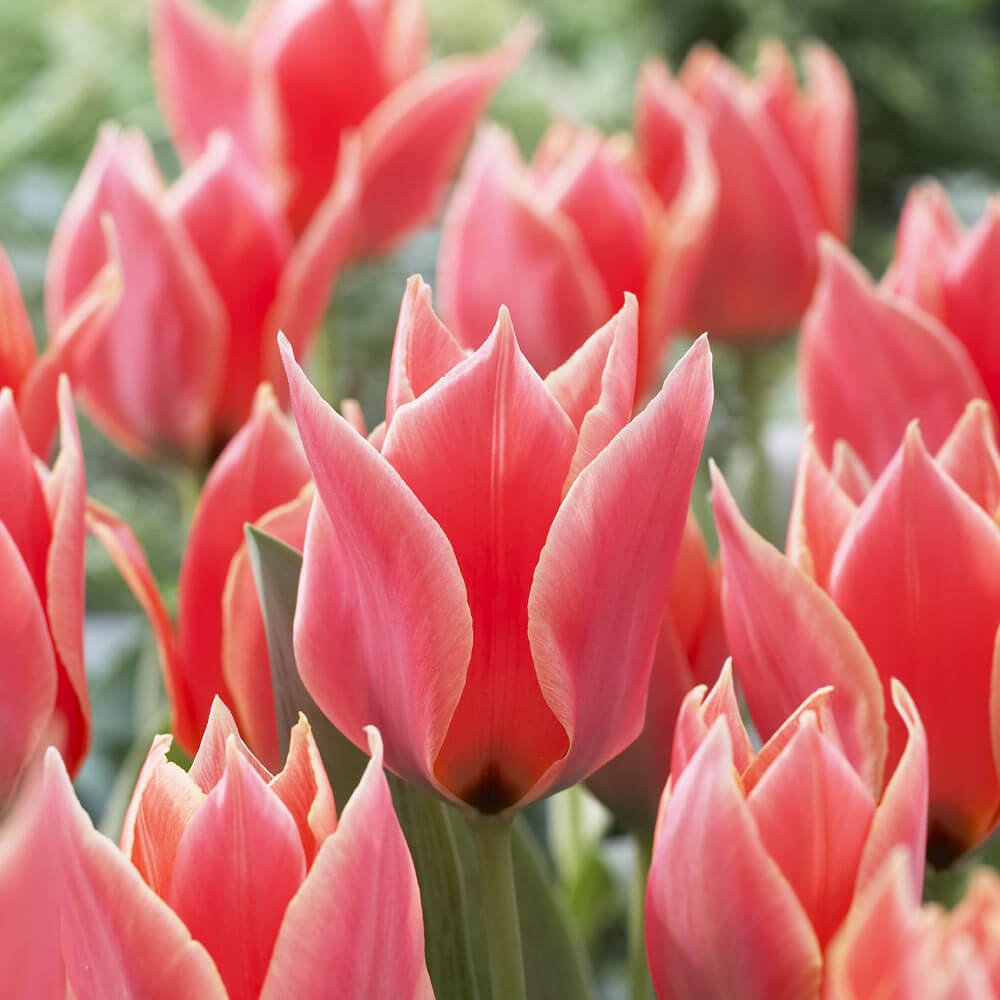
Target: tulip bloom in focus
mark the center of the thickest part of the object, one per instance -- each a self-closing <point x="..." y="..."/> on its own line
<point x="690" y="650"/>
<point x="176" y="364"/>
<point x="293" y="79"/>
<point x="758" y="857"/>
<point x="483" y="579"/>
<point x="899" y="578"/>
<point x="785" y="160"/>
<point x="562" y="239"/>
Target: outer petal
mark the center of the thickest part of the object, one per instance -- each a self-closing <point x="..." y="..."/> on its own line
<point x="502" y="244"/>
<point x="17" y="342"/>
<point x="486" y="451"/>
<point x="917" y="576"/>
<point x="869" y="363"/>
<point x="971" y="458"/>
<point x="369" y="646"/>
<point x="621" y="522"/>
<point x="721" y="921"/>
<point x="354" y="931"/>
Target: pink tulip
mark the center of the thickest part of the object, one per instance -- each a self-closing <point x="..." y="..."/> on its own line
<point x="899" y="578"/>
<point x="294" y="78"/>
<point x="562" y="239"/>
<point x="785" y="161"/>
<point x="758" y="856"/>
<point x="483" y="579"/>
<point x="210" y="273"/>
<point x="690" y="650"/>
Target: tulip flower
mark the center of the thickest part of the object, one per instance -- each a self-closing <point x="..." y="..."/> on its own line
<point x="785" y="161"/>
<point x="690" y="650"/>
<point x="899" y="578"/>
<point x="483" y="579"/>
<point x="293" y="79"/>
<point x="175" y="366"/>
<point x="562" y="239"/>
<point x="758" y="856"/>
<point x="260" y="478"/>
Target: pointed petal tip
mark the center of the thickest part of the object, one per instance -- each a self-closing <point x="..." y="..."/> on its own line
<point x="374" y="744"/>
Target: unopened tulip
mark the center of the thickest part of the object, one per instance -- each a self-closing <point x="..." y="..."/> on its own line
<point x="758" y="856"/>
<point x="785" y="161"/>
<point x="899" y="578"/>
<point x="294" y="78"/>
<point x="485" y="584"/>
<point x="690" y="650"/>
<point x="210" y="272"/>
<point x="562" y="239"/>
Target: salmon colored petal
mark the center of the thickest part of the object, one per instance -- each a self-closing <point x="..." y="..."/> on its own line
<point x="209" y="765"/>
<point x="412" y="142"/>
<point x="602" y="577"/>
<point x="721" y="921"/>
<point x="246" y="661"/>
<point x="403" y="670"/>
<point x="17" y="342"/>
<point x="502" y="244"/>
<point x="486" y="451"/>
<point x="221" y="192"/>
<point x="245" y="840"/>
<point x="423" y="351"/>
<point x="970" y="455"/>
<point x="916" y="574"/>
<point x="869" y="363"/>
<point x="203" y="77"/>
<point x="849" y="471"/>
<point x="262" y="467"/>
<point x="354" y="931"/>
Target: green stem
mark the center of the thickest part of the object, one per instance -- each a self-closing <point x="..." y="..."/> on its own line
<point x="499" y="904"/>
<point x="640" y="985"/>
<point x="754" y="363"/>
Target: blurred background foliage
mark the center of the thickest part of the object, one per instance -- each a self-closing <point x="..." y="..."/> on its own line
<point x="927" y="77"/>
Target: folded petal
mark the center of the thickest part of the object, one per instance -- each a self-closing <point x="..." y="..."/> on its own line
<point x="209" y="765"/>
<point x="369" y="646"/>
<point x="486" y="452"/>
<point x="970" y="455"/>
<point x="598" y="591"/>
<point x="354" y="931"/>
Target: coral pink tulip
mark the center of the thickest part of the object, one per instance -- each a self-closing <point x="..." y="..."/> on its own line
<point x="785" y="161"/>
<point x="896" y="579"/>
<point x="690" y="650"/>
<point x="294" y="78"/>
<point x="485" y="584"/>
<point x="758" y="856"/>
<point x="562" y="239"/>
<point x="176" y="365"/>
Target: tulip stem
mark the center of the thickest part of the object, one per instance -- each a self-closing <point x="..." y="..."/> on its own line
<point x="499" y="904"/>
<point x="640" y="984"/>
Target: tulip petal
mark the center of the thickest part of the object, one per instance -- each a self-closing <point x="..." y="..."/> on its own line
<point x="369" y="646"/>
<point x="486" y="451"/>
<point x="721" y="921"/>
<point x="354" y="930"/>
<point x="586" y="611"/>
<point x="970" y="456"/>
<point x="501" y="244"/>
<point x="916" y="575"/>
<point x="788" y="639"/>
<point x="849" y="471"/>
<point x="17" y="342"/>
<point x="869" y="363"/>
<point x="209" y="765"/>
<point x="245" y="837"/>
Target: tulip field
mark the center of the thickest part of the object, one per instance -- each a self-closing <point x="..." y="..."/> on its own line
<point x="499" y="502"/>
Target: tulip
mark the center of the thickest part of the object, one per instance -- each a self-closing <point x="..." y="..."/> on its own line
<point x="758" y="856"/>
<point x="899" y="578"/>
<point x="175" y="366"/>
<point x="483" y="579"/>
<point x="690" y="650"/>
<point x="293" y="79"/>
<point x="562" y="239"/>
<point x="785" y="161"/>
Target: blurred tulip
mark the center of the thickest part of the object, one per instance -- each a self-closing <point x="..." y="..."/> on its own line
<point x="544" y="524"/>
<point x="294" y="78"/>
<point x="210" y="273"/>
<point x="896" y="579"/>
<point x="690" y="650"/>
<point x="758" y="856"/>
<point x="785" y="161"/>
<point x="562" y="239"/>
